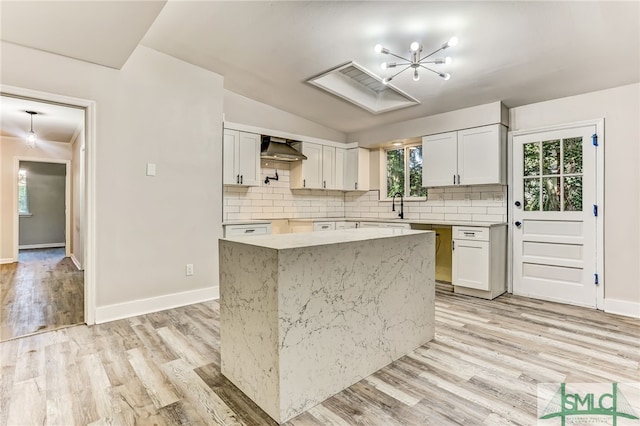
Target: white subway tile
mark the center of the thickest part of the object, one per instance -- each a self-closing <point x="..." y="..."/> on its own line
<point x="472" y="210"/>
<point x="455" y="216"/>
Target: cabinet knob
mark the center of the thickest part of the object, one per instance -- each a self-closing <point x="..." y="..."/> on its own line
<point x="518" y="203"/>
<point x="518" y="224"/>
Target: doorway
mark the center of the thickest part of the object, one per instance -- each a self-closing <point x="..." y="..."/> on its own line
<point x="557" y="205"/>
<point x="44" y="263"/>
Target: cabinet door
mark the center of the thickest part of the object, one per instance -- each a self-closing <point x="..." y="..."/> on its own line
<point x="328" y="167"/>
<point x="480" y="155"/>
<point x="249" y="159"/>
<point x="312" y="166"/>
<point x="341" y="160"/>
<point x="470" y="264"/>
<point x="351" y="167"/>
<point x="439" y="159"/>
<point x="230" y="157"/>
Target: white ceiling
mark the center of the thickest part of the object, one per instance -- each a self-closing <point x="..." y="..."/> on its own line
<point x="515" y="51"/>
<point x="54" y="123"/>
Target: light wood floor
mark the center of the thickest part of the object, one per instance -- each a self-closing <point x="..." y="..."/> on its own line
<point x="42" y="291"/>
<point x="482" y="368"/>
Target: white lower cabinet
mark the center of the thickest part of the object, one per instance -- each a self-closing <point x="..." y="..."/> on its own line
<point x="479" y="260"/>
<point x="385" y="225"/>
<point x="346" y="225"/>
<point x="247" y="229"/>
<point x="324" y="226"/>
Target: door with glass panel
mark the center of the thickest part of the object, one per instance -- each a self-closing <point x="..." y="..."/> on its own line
<point x="554" y="225"/>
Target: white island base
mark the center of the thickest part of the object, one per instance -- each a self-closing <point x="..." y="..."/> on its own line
<point x="304" y="316"/>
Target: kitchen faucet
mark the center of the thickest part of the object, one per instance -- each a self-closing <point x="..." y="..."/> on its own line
<point x="393" y="205"/>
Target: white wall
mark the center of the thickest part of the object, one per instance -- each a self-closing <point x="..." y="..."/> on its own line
<point x="620" y="108"/>
<point x="240" y="109"/>
<point x="476" y="116"/>
<point x="155" y="109"/>
<point x="10" y="148"/>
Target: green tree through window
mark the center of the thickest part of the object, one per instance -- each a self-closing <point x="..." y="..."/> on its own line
<point x="404" y="172"/>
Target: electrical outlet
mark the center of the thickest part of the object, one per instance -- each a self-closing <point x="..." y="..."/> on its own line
<point x="498" y="197"/>
<point x="467" y="198"/>
<point x="189" y="269"/>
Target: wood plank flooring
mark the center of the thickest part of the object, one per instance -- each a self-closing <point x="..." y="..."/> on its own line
<point x="482" y="368"/>
<point x="43" y="291"/>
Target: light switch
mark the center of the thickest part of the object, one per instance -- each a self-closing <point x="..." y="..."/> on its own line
<point x="151" y="169"/>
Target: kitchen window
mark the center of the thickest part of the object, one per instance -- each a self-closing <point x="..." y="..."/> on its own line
<point x="23" y="196"/>
<point x="403" y="168"/>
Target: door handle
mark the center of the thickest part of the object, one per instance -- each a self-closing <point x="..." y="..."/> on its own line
<point x="241" y="178"/>
<point x="237" y="178"/>
<point x="518" y="203"/>
<point x="518" y="223"/>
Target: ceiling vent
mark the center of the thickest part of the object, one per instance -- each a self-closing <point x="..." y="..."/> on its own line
<point x="355" y="84"/>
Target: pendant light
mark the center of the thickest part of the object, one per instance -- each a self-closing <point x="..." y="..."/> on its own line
<point x="31" y="136"/>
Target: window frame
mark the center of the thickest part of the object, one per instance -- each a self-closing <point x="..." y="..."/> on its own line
<point x="407" y="180"/>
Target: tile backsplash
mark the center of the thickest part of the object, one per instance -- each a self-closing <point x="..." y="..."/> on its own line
<point x="276" y="201"/>
<point x="486" y="203"/>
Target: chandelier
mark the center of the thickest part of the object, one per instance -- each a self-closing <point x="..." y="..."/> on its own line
<point x="416" y="61"/>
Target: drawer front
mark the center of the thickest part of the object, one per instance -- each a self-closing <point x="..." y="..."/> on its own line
<point x="324" y="226"/>
<point x="346" y="225"/>
<point x="240" y="230"/>
<point x="471" y="233"/>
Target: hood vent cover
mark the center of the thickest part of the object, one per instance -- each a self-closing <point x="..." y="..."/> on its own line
<point x="279" y="149"/>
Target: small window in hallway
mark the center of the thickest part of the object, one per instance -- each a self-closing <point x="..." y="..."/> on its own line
<point x="23" y="198"/>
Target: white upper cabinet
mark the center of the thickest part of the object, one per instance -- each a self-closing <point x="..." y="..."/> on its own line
<point x="474" y="156"/>
<point x="323" y="168"/>
<point x="440" y="159"/>
<point x="328" y="167"/>
<point x="241" y="158"/>
<point x="308" y="173"/>
<point x="356" y="170"/>
<point x="482" y="155"/>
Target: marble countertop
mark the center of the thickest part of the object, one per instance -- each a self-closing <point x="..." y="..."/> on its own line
<point x="309" y="239"/>
<point x="247" y="222"/>
<point x="361" y="219"/>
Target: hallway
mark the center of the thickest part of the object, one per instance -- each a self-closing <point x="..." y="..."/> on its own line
<point x="43" y="291"/>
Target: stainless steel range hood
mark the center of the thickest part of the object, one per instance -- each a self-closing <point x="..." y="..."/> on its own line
<point x="279" y="149"/>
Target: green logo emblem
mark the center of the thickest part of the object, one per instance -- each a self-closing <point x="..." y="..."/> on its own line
<point x="566" y="404"/>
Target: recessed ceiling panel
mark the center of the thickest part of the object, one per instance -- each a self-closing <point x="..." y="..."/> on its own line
<point x="356" y="84"/>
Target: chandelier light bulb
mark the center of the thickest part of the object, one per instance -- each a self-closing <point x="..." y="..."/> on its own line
<point x="415" y="46"/>
<point x="448" y="60"/>
<point x="445" y="76"/>
<point x="386" y="80"/>
<point x="379" y="49"/>
<point x="384" y="65"/>
<point x="416" y="76"/>
<point x="453" y="41"/>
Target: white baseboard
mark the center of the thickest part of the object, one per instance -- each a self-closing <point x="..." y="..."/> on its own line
<point x="622" y="307"/>
<point x="39" y="246"/>
<point x="76" y="262"/>
<point x="154" y="304"/>
<point x="7" y="260"/>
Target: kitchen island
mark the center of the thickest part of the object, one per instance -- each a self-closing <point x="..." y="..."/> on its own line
<point x="304" y="316"/>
